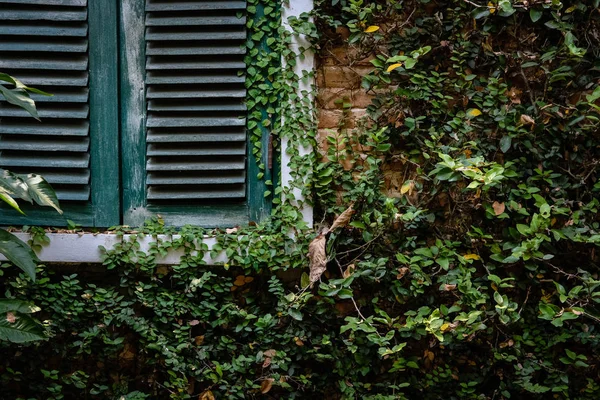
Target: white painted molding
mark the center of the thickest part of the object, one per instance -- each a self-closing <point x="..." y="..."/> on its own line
<point x="72" y="248"/>
<point x="295" y="8"/>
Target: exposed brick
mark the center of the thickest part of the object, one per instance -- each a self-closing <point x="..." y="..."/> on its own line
<point x="341" y="77"/>
<point x="329" y="118"/>
<point x="331" y="99"/>
<point x="361" y="99"/>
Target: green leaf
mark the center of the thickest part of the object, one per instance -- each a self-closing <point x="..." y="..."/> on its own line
<point x="295" y="313"/>
<point x="17" y="306"/>
<point x="5" y="197"/>
<point x="535" y="15"/>
<point x="304" y="280"/>
<point x="22" y="329"/>
<point x="41" y="192"/>
<point x="20" y="98"/>
<point x="505" y="143"/>
<point x="18" y="253"/>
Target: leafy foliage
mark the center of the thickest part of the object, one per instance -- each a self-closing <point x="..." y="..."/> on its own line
<point x="468" y="270"/>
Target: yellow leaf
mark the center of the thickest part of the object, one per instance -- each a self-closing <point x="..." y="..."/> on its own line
<point x="471" y="257"/>
<point x="393" y="67"/>
<point x="491" y="7"/>
<point x="407" y="187"/>
<point x="473" y="112"/>
<point x="372" y="29"/>
<point x="444" y="327"/>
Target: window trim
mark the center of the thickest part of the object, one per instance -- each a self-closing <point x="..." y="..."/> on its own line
<point x="103" y="133"/>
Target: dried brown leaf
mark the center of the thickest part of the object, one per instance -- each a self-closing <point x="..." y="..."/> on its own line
<point x="10" y="318"/>
<point x="498" y="208"/>
<point x="266" y="385"/>
<point x="207" y="395"/>
<point x="317" y="256"/>
<point x="343" y="219"/>
<point x="448" y="287"/>
<point x="270" y="353"/>
<point x="199" y="340"/>
<point x="526" y="120"/>
<point x="349" y="271"/>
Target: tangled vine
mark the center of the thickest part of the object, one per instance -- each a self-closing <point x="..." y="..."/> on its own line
<point x="464" y="266"/>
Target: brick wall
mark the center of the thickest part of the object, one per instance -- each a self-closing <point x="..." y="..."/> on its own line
<point x="341" y="102"/>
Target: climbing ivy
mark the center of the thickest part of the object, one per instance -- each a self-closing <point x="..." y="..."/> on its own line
<point x="454" y="254"/>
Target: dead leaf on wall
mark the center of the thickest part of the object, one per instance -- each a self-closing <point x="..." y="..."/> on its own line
<point x="318" y="257"/>
<point x="343" y="219"/>
<point x="498" y="208"/>
<point x="207" y="395"/>
<point x="266" y="385"/>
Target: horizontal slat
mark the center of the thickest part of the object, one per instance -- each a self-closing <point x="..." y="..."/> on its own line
<point x="51" y="160"/>
<point x="32" y="127"/>
<point x="79" y="3"/>
<point x="73" y="63"/>
<point x="201" y="137"/>
<point x="54" y="79"/>
<point x="183" y="164"/>
<point x="47" y="111"/>
<point x="237" y="191"/>
<point x="193" y="50"/>
<point x="44" y="46"/>
<point x="198" y="93"/>
<point x="31" y="143"/>
<point x="44" y="29"/>
<point x="168" y="64"/>
<point x="194" y="78"/>
<point x="16" y="14"/>
<point x="197" y="5"/>
<point x="160" y="20"/>
<point x="68" y="177"/>
<point x="178" y="179"/>
<point x="153" y="34"/>
<point x="189" y="149"/>
<point x="80" y="95"/>
<point x="79" y="193"/>
<point x="158" y="105"/>
<point x="166" y="122"/>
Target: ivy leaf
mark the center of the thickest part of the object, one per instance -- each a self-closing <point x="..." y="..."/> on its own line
<point x="371" y="29"/>
<point x="473" y="112"/>
<point x="505" y="143"/>
<point x="535" y="15"/>
<point x="295" y="313"/>
<point x="471" y="257"/>
<point x="393" y="67"/>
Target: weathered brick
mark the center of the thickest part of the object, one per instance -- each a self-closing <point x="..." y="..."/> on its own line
<point x="329" y="118"/>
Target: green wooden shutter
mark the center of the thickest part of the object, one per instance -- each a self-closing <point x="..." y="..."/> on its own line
<point x="187" y="159"/>
<point x="63" y="47"/>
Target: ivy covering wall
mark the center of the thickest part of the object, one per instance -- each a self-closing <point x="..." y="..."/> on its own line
<point x="455" y="253"/>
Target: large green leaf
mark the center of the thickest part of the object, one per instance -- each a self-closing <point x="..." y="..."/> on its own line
<point x="24" y="307"/>
<point x="17" y="252"/>
<point x="5" y="196"/>
<point x="18" y="328"/>
<point x="14" y="184"/>
<point x="19" y="97"/>
<point x="40" y="191"/>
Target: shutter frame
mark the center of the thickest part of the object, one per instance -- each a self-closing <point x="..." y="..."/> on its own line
<point x="102" y="208"/>
<point x="137" y="147"/>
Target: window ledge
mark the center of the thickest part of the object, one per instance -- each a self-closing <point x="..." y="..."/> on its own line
<point x="74" y="248"/>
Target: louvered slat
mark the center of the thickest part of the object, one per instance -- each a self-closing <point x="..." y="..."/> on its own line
<point x="196" y="140"/>
<point x="44" y="43"/>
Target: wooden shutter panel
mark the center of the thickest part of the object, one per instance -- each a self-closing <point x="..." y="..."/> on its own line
<point x="196" y="135"/>
<point x="46" y="44"/>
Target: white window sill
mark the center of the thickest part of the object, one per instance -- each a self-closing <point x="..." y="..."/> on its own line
<point x="73" y="248"/>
